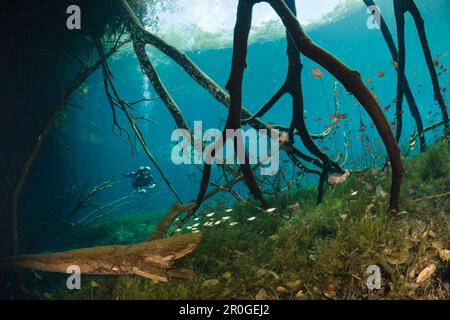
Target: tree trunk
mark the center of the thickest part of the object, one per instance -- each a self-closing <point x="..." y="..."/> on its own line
<point x="150" y="259"/>
<point x="353" y="83"/>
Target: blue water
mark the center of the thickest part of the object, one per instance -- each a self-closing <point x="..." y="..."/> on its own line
<point x="98" y="154"/>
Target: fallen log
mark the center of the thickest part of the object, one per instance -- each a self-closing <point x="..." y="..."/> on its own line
<point x="149" y="259"/>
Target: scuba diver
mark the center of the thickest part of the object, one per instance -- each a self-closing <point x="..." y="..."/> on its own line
<point x="142" y="179"/>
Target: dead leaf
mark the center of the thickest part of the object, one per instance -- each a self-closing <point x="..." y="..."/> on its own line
<point x="210" y="283"/>
<point x="273" y="274"/>
<point x="263" y="272"/>
<point x="281" y="289"/>
<point x="300" y="295"/>
<point x="412" y="288"/>
<point x="397" y="258"/>
<point x="262" y="295"/>
<point x="339" y="179"/>
<point x="444" y="255"/>
<point x="317" y="73"/>
<point x="426" y="273"/>
<point x="330" y="291"/>
<point x="412" y="274"/>
<point x="437" y="245"/>
<point x="330" y="294"/>
<point x="331" y="287"/>
<point x="432" y="234"/>
<point x="294" y="284"/>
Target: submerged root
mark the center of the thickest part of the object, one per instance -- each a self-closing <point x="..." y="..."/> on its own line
<point x="150" y="259"/>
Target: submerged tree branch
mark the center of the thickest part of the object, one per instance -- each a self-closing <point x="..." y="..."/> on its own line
<point x="294" y="88"/>
<point x="402" y="81"/>
<point x="353" y="83"/>
<point x="401" y="7"/>
<point x="349" y="78"/>
<point x="152" y="75"/>
<point x="144" y="36"/>
<point x="31" y="155"/>
<point x="415" y="134"/>
<point x="116" y="100"/>
<point x="149" y="259"/>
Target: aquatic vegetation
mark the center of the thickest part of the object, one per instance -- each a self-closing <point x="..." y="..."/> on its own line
<point x="433" y="164"/>
<point x="356" y="196"/>
<point x="317" y="252"/>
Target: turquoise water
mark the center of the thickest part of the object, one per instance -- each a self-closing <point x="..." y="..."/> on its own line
<point x="347" y="38"/>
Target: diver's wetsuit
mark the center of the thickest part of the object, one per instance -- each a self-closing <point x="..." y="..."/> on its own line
<point x="142" y="179"/>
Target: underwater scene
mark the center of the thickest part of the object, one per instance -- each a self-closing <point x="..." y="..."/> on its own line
<point x="225" y="150"/>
